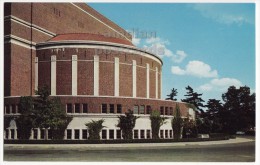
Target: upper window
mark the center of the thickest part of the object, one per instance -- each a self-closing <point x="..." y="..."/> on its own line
<point x="85" y="108"/>
<point x="104" y="108"/>
<point x="148" y="109"/>
<point x="136" y="109"/>
<point x="77" y="108"/>
<point x="162" y="110"/>
<point x="69" y="108"/>
<point x="112" y="108"/>
<point x="119" y="108"/>
<point x="141" y="109"/>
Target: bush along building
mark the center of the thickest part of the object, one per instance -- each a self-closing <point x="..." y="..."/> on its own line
<point x="86" y="61"/>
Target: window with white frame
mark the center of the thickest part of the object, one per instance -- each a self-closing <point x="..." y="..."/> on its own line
<point x="76" y="133"/>
<point x="104" y="134"/>
<point x="69" y="133"/>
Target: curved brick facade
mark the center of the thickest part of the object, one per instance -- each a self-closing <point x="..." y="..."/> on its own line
<point x="95" y="76"/>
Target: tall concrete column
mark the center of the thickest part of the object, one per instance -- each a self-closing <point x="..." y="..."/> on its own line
<point x="116" y="74"/>
<point x="156" y="83"/>
<point x="38" y="133"/>
<point x="147" y="80"/>
<point x="9" y="133"/>
<point x="53" y="75"/>
<point x="36" y="74"/>
<point x="80" y="134"/>
<point x="74" y="76"/>
<point x="72" y="134"/>
<point x="96" y="75"/>
<point x="134" y="78"/>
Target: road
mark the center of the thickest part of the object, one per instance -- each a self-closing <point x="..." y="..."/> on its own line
<point x="236" y="152"/>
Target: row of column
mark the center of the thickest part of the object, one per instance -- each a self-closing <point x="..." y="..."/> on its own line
<point x="96" y="76"/>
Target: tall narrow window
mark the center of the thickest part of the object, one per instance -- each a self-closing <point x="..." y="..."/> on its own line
<point x="118" y="134"/>
<point x="50" y="133"/>
<point x="171" y="111"/>
<point x="19" y="108"/>
<point x="161" y="134"/>
<point x="119" y="108"/>
<point x="162" y="110"/>
<point x="12" y="133"/>
<point x="69" y="108"/>
<point x="136" y="109"/>
<point x="148" y="109"/>
<point x="104" y="134"/>
<point x="171" y="134"/>
<point x="42" y="133"/>
<point x="77" y="108"/>
<point x="85" y="108"/>
<point x="13" y="108"/>
<point x="112" y="108"/>
<point x="104" y="108"/>
<point x="166" y="134"/>
<point x="111" y="134"/>
<point x="35" y="132"/>
<point x="84" y="134"/>
<point x="142" y="134"/>
<point x="69" y="133"/>
<point x="166" y="111"/>
<point x="141" y="109"/>
<point x="135" y="134"/>
<point x="7" y="109"/>
<point x="148" y="134"/>
<point x="76" y="134"/>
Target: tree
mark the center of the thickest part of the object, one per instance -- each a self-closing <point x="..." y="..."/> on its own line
<point x="126" y="123"/>
<point x="189" y="128"/>
<point x="177" y="123"/>
<point x="172" y="95"/>
<point x="194" y="99"/>
<point x="26" y="121"/>
<point x="213" y="113"/>
<point x="204" y="125"/>
<point x="239" y="108"/>
<point x="156" y="122"/>
<point x="95" y="128"/>
<point x="50" y="114"/>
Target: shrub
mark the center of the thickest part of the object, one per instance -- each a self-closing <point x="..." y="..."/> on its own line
<point x="95" y="128"/>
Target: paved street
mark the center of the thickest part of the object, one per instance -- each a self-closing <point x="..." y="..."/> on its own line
<point x="239" y="151"/>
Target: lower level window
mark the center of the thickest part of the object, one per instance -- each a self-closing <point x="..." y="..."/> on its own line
<point x="170" y="133"/>
<point x="148" y="134"/>
<point x="104" y="134"/>
<point x="166" y="134"/>
<point x="49" y="134"/>
<point x="6" y="133"/>
<point x="118" y="134"/>
<point x="161" y="134"/>
<point x="111" y="134"/>
<point x="35" y="132"/>
<point x="84" y="134"/>
<point x="69" y="133"/>
<point x="142" y="134"/>
<point x="12" y="133"/>
<point x="42" y="133"/>
<point x="135" y="134"/>
<point x="76" y="134"/>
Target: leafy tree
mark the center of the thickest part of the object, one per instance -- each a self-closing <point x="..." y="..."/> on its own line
<point x="239" y="109"/>
<point x="95" y="128"/>
<point x="26" y="121"/>
<point x="204" y="125"/>
<point x="172" y="95"/>
<point x="177" y="123"/>
<point x="189" y="128"/>
<point x="126" y="123"/>
<point x="194" y="99"/>
<point x="50" y="114"/>
<point x="156" y="122"/>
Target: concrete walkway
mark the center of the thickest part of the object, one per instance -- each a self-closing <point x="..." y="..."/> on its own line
<point x="125" y="145"/>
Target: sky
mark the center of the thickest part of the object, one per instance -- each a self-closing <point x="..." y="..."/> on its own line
<point x="206" y="46"/>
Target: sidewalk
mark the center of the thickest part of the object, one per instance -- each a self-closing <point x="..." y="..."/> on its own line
<point x="118" y="146"/>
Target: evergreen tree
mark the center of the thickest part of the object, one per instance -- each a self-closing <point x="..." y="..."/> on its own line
<point x="177" y="123"/>
<point x="126" y="123"/>
<point x="156" y="122"/>
<point x="172" y="95"/>
<point x="213" y="113"/>
<point x="194" y="99"/>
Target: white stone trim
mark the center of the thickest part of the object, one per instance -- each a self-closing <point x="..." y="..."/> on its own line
<point x="29" y="25"/>
<point x="97" y="45"/>
<point x="19" y="41"/>
<point x="36" y="74"/>
<point x="116" y="74"/>
<point x="96" y="75"/>
<point x="74" y="75"/>
<point x="53" y="75"/>
<point x="156" y="83"/>
<point x="101" y="22"/>
<point x="147" y="80"/>
<point x="134" y="78"/>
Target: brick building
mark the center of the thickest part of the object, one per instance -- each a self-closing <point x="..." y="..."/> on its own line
<point x="87" y="61"/>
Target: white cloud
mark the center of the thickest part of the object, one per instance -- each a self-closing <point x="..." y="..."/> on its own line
<point x="195" y="68"/>
<point x="136" y="41"/>
<point x="221" y="84"/>
<point x="179" y="56"/>
<point x="158" y="46"/>
<point x="225" y="13"/>
<point x="177" y="70"/>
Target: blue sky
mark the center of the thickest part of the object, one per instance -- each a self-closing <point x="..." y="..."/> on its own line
<point x="206" y="46"/>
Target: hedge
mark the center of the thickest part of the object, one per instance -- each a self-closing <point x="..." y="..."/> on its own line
<point x="116" y="141"/>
